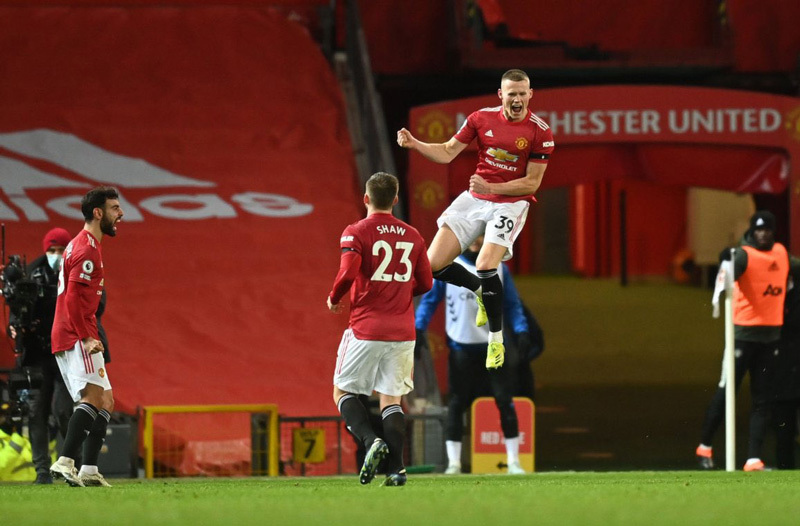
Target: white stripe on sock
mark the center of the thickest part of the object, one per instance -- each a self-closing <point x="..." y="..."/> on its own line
<point x="392" y="409"/>
<point x="343" y="399"/>
<point x="88" y="409"/>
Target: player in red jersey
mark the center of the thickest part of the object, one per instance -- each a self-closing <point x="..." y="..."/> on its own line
<point x="514" y="146"/>
<point x="76" y="343"/>
<point x="383" y="265"/>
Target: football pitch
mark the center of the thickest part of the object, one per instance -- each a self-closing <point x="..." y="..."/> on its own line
<point x="668" y="497"/>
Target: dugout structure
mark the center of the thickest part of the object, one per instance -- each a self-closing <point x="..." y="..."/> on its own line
<point x="182" y="440"/>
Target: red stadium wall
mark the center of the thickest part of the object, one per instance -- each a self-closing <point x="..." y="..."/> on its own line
<point x="615" y="25"/>
<point x="412" y="36"/>
<point x="761" y="36"/>
<point x="224" y="129"/>
<point x="765" y="36"/>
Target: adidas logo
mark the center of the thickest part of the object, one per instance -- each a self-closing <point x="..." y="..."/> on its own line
<point x="774" y="266"/>
<point x="501" y="236"/>
<point x="92" y="165"/>
<point x="489" y="134"/>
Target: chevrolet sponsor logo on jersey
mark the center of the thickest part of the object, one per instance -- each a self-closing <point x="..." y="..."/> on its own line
<point x="502" y="155"/>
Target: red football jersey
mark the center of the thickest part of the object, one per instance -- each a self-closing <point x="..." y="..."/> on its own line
<point x="504" y="148"/>
<point x="80" y="284"/>
<point x="394" y="267"/>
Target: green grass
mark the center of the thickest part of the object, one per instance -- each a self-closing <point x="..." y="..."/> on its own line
<point x="546" y="498"/>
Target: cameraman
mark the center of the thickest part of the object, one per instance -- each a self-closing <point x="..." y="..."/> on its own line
<point x="32" y="339"/>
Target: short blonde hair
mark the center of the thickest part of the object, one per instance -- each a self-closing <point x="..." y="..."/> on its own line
<point x="515" y="75"/>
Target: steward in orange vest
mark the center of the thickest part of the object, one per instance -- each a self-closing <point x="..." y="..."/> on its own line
<point x="761" y="268"/>
<point x="761" y="273"/>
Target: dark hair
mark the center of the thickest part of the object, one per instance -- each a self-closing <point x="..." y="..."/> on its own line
<point x="382" y="189"/>
<point x="515" y="75"/>
<point x="96" y="198"/>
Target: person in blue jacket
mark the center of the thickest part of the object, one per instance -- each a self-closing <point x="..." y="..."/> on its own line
<point x="468" y="377"/>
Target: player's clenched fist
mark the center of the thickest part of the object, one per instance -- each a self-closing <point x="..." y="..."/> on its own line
<point x="92" y="346"/>
<point x="478" y="185"/>
<point x="404" y="138"/>
<point x="334" y="308"/>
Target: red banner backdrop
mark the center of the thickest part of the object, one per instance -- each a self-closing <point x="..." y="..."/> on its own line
<point x="223" y="129"/>
<point x="732" y="140"/>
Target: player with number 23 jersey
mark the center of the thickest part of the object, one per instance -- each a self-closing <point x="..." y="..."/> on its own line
<point x="387" y="268"/>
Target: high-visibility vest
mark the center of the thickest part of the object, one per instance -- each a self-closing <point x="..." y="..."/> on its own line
<point x="760" y="291"/>
<point x="16" y="463"/>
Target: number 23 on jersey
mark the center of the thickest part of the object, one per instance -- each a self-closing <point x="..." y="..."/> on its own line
<point x="384" y="251"/>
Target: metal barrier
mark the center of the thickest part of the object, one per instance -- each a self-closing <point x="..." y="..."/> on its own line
<point x="425" y="441"/>
<point x="312" y="445"/>
<point x="192" y="445"/>
<point x="320" y="445"/>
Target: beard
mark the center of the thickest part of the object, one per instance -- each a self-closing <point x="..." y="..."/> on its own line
<point x="107" y="227"/>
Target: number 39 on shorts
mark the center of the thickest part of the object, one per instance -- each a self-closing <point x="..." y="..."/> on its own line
<point x="505" y="224"/>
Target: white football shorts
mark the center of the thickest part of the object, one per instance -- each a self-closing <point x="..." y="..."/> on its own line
<point x="500" y="223"/>
<point x="79" y="368"/>
<point x="364" y="366"/>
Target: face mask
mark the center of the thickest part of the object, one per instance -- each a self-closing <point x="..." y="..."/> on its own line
<point x="54" y="260"/>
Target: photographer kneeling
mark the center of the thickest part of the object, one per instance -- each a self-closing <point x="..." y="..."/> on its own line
<point x="30" y="327"/>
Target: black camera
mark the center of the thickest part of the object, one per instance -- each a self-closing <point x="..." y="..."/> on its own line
<point x="20" y="292"/>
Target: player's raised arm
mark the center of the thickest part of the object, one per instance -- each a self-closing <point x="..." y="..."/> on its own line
<point x="442" y="152"/>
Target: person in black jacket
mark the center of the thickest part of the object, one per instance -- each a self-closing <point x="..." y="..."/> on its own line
<point x="786" y="383"/>
<point x="32" y="345"/>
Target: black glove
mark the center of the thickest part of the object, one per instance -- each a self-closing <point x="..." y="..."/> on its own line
<point x="422" y="341"/>
<point x="725" y="255"/>
<point x="526" y="346"/>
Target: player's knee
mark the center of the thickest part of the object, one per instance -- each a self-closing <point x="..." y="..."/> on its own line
<point x="337" y="394"/>
<point x="108" y="403"/>
<point x="486" y="265"/>
<point x="92" y="398"/>
<point x="490" y="259"/>
<point x="438" y="263"/>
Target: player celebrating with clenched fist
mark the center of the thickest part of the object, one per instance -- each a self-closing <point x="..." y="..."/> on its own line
<point x="514" y="146"/>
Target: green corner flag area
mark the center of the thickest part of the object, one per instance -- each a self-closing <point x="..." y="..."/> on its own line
<point x="545" y="498"/>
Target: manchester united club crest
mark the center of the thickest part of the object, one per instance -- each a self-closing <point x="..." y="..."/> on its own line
<point x="793" y="123"/>
<point x="429" y="194"/>
<point x="521" y="143"/>
<point x="436" y="126"/>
